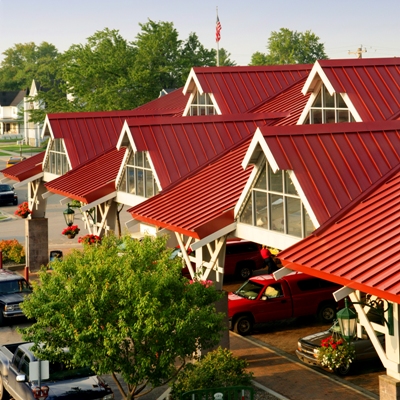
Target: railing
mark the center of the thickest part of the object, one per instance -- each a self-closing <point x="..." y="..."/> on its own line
<point x="222" y="393"/>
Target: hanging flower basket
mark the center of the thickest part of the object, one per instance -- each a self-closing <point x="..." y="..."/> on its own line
<point x="335" y="353"/>
<point x="23" y="210"/>
<point x="70" y="231"/>
<point x="89" y="239"/>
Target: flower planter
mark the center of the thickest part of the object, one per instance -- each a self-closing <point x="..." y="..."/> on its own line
<point x="70" y="235"/>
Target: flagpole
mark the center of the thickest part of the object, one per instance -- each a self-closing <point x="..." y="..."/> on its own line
<point x="217" y="44"/>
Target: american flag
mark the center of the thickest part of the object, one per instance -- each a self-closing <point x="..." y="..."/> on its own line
<point x="218" y="31"/>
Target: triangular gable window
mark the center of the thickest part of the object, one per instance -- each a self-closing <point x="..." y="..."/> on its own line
<point x="138" y="178"/>
<point x="202" y="105"/>
<point x="57" y="162"/>
<point x="328" y="109"/>
<point x="274" y="204"/>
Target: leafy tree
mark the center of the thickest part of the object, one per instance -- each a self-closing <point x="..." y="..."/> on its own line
<point x="291" y="47"/>
<point x="25" y="62"/>
<point x="123" y="307"/>
<point x="224" y="58"/>
<point x="158" y="53"/>
<point x="218" y="368"/>
<point x="97" y="73"/>
<point x="258" y="58"/>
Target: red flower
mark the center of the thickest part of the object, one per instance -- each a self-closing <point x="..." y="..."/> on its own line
<point x="89" y="239"/>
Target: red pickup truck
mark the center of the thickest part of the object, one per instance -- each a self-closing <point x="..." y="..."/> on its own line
<point x="262" y="299"/>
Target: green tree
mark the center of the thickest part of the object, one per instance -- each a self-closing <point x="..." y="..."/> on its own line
<point x="258" y="58"/>
<point x="123" y="309"/>
<point x="224" y="58"/>
<point x="158" y="54"/>
<point x="97" y="73"/>
<point x="25" y="62"/>
<point x="291" y="47"/>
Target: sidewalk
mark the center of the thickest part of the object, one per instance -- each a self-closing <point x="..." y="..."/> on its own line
<point x="283" y="375"/>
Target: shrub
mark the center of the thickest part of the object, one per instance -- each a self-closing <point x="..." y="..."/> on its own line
<point x="218" y="368"/>
<point x="12" y="251"/>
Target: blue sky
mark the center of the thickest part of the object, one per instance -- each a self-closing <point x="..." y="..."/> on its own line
<point x="342" y="26"/>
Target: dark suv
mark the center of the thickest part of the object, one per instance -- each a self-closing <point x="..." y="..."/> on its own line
<point x="13" y="289"/>
<point x="242" y="257"/>
<point x="8" y="195"/>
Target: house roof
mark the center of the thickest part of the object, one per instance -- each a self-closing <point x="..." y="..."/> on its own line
<point x="203" y="202"/>
<point x="171" y="103"/>
<point x="91" y="180"/>
<point x="12" y="98"/>
<point x="290" y="100"/>
<point x="372" y="84"/>
<point x="179" y="146"/>
<point x="239" y="89"/>
<point x="26" y="168"/>
<point x="362" y="249"/>
<point x="334" y="163"/>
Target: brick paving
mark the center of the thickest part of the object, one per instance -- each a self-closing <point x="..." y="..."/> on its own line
<point x="289" y="378"/>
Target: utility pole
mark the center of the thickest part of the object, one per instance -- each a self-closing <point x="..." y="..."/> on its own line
<point x="359" y="51"/>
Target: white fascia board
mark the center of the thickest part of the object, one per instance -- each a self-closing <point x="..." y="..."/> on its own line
<point x="191" y="82"/>
<point x="351" y="107"/>
<point x="317" y="74"/>
<point x="47" y="126"/>
<point x="122" y="168"/>
<point x="341" y="293"/>
<point x="245" y="191"/>
<point x="281" y="273"/>
<point x="31" y="179"/>
<point x="307" y="107"/>
<point x="304" y="199"/>
<point x="98" y="201"/>
<point x="47" y="195"/>
<point x="214" y="236"/>
<point x="215" y="104"/>
<point x="131" y="223"/>
<point x="153" y="170"/>
<point x="251" y="156"/>
<point x="125" y="137"/>
<point x="187" y="108"/>
<point x="7" y="181"/>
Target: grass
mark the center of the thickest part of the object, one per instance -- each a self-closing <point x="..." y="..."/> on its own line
<point x="16" y="148"/>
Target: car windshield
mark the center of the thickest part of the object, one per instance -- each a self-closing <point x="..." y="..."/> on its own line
<point x="5" y="188"/>
<point x="16" y="286"/>
<point x="249" y="290"/>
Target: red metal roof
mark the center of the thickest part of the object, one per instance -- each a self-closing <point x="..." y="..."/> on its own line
<point x="203" y="202"/>
<point x="87" y="135"/>
<point x="25" y="169"/>
<point x="362" y="249"/>
<point x="179" y="146"/>
<point x="372" y="84"/>
<point x="172" y="104"/>
<point x="239" y="89"/>
<point x="291" y="101"/>
<point x="335" y="163"/>
<point x="91" y="180"/>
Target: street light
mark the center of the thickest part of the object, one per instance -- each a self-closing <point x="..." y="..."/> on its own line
<point x="347" y="319"/>
<point x="69" y="214"/>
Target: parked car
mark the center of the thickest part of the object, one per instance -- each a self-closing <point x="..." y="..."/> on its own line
<point x="13" y="289"/>
<point x="8" y="195"/>
<point x="242" y="257"/>
<point x="14" y="160"/>
<point x="307" y="349"/>
<point x="262" y="299"/>
<point x="20" y="373"/>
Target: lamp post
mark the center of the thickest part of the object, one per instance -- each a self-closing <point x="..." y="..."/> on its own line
<point x="347" y="319"/>
<point x="69" y="214"/>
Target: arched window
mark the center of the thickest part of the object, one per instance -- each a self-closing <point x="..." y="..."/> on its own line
<point x="274" y="204"/>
